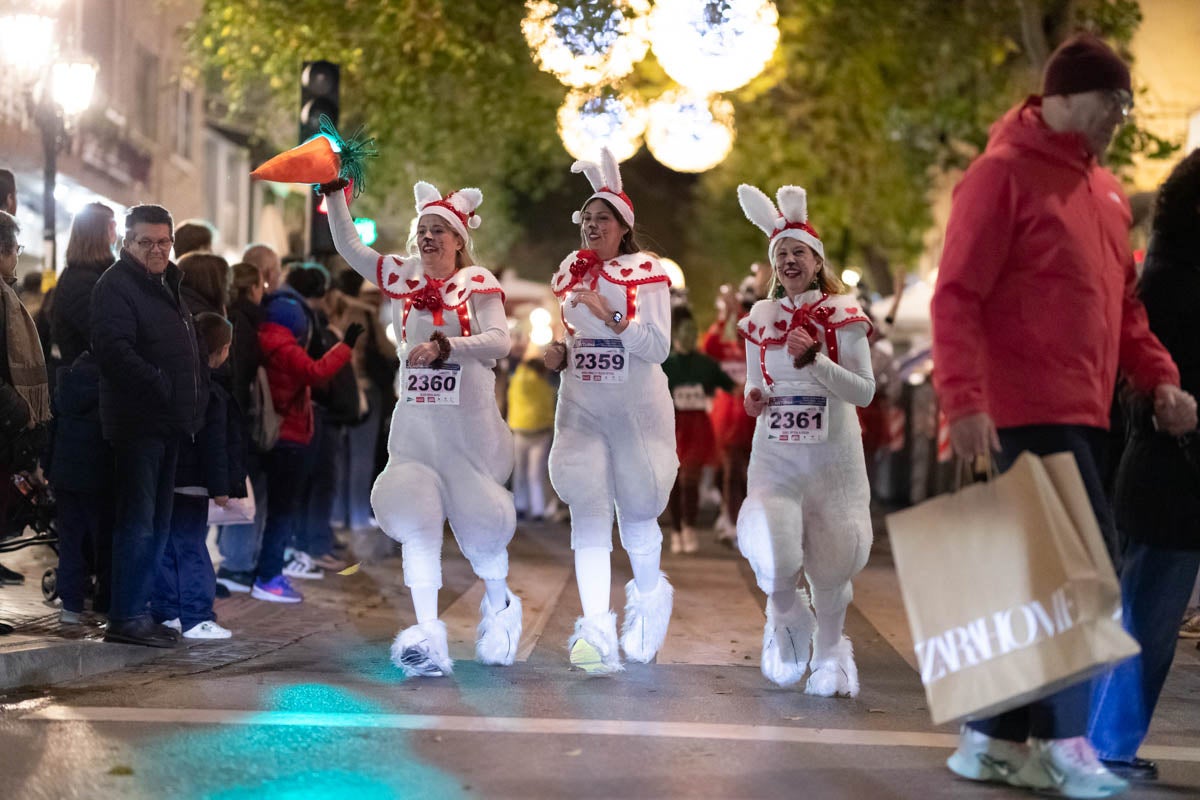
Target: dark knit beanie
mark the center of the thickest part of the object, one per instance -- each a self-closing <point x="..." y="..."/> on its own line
<point x="1084" y="63"/>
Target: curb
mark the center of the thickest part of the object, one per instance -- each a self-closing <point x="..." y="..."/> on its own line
<point x="30" y="661"/>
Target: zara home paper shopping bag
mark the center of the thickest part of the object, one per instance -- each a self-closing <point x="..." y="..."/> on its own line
<point x="1009" y="592"/>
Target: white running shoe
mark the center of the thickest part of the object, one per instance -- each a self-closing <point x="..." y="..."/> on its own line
<point x="834" y="674"/>
<point x="646" y="618"/>
<point x="980" y="757"/>
<point x="206" y="630"/>
<point x="422" y="651"/>
<point x="173" y="624"/>
<point x="676" y="542"/>
<point x="593" y="646"/>
<point x="499" y="632"/>
<point x="301" y="566"/>
<point x="1068" y="767"/>
<point x="691" y="540"/>
<point x="787" y="638"/>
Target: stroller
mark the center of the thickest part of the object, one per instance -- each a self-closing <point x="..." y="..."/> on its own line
<point x="31" y="506"/>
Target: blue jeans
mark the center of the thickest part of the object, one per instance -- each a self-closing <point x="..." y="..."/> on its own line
<point x="356" y="466"/>
<point x="1064" y="714"/>
<point x="186" y="584"/>
<point x="286" y="465"/>
<point x="144" y="496"/>
<point x="240" y="544"/>
<point x="85" y="532"/>
<point x="1156" y="584"/>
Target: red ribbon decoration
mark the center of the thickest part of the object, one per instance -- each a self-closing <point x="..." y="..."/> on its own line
<point x="430" y="299"/>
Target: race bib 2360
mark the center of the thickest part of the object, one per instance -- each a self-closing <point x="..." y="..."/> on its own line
<point x="432" y="387"/>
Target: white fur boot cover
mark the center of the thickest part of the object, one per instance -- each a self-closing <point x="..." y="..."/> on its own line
<point x="600" y="631"/>
<point x="646" y="619"/>
<point x="423" y="643"/>
<point x="834" y="673"/>
<point x="499" y="632"/>
<point x="786" y="641"/>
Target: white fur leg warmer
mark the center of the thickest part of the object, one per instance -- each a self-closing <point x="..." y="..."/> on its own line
<point x="599" y="631"/>
<point x="499" y="632"/>
<point x="834" y="673"/>
<point x="786" y="640"/>
<point x="647" y="616"/>
<point x="422" y="650"/>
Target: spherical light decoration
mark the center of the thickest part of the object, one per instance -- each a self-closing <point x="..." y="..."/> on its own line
<point x="674" y="272"/>
<point x="714" y="45"/>
<point x="587" y="42"/>
<point x="689" y="132"/>
<point x="589" y="121"/>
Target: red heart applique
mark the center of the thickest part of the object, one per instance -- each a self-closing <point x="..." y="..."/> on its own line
<point x="750" y="327"/>
<point x="615" y="263"/>
<point x="647" y="266"/>
<point x="461" y="292"/>
<point x="851" y="310"/>
<point x="412" y="284"/>
<point x="392" y="278"/>
<point x="625" y="273"/>
<point x="781" y="325"/>
<point x="478" y="278"/>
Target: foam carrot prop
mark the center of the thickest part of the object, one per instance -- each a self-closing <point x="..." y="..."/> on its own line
<point x="324" y="158"/>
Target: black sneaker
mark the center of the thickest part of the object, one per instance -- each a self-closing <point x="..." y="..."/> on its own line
<point x="240" y="582"/>
<point x="142" y="631"/>
<point x="10" y="578"/>
<point x="1136" y="769"/>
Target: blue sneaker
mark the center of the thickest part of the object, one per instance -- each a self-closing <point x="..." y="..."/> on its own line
<point x="276" y="590"/>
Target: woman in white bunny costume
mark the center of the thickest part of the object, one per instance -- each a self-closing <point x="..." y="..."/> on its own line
<point x="614" y="439"/>
<point x="807" y="505"/>
<point x="449" y="451"/>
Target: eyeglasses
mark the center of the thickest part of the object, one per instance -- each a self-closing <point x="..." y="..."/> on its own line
<point x="16" y="251"/>
<point x="1119" y="98"/>
<point x="159" y="244"/>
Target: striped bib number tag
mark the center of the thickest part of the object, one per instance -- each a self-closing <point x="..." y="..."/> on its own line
<point x="798" y="419"/>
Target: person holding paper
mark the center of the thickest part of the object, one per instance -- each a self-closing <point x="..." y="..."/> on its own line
<point x="614" y="430"/>
<point x="808" y="366"/>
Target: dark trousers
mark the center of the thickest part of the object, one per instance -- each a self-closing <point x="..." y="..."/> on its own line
<point x="286" y="465"/>
<point x="735" y="464"/>
<point x="1063" y="715"/>
<point x="85" y="536"/>
<point x="186" y="584"/>
<point x="316" y="537"/>
<point x="144" y="496"/>
<point x="1156" y="584"/>
<point x="684" y="502"/>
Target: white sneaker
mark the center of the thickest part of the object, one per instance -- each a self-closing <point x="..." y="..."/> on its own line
<point x="499" y="632"/>
<point x="646" y="619"/>
<point x="834" y="674"/>
<point x="676" y="542"/>
<point x="786" y="641"/>
<point x="980" y="757"/>
<point x="206" y="630"/>
<point x="422" y="651"/>
<point x="593" y="646"/>
<point x="691" y="540"/>
<point x="173" y="624"/>
<point x="1069" y="767"/>
<point x="301" y="566"/>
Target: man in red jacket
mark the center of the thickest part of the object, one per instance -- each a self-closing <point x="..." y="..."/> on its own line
<point x="1033" y="314"/>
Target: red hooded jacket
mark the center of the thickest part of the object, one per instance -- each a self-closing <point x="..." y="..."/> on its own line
<point x="291" y="374"/>
<point x="1034" y="308"/>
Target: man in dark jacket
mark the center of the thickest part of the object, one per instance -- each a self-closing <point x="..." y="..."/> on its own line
<point x="153" y="389"/>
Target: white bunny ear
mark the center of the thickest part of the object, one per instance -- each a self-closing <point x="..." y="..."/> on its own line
<point x="591" y="171"/>
<point x="466" y="200"/>
<point x="793" y="202"/>
<point x="758" y="208"/>
<point x="610" y="171"/>
<point x="425" y="193"/>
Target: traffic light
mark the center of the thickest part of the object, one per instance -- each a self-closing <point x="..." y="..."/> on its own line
<point x="319" y="84"/>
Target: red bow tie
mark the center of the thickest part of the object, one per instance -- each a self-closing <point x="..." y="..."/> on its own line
<point x="430" y="299"/>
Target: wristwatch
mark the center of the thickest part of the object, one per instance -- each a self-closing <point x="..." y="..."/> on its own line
<point x="616" y="319"/>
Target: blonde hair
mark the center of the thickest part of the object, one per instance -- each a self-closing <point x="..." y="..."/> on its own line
<point x="462" y="258"/>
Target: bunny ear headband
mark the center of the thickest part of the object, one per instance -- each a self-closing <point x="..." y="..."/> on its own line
<point x="789" y="221"/>
<point x="457" y="208"/>
<point x="605" y="179"/>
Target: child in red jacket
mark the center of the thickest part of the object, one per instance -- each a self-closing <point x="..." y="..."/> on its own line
<point x="291" y="374"/>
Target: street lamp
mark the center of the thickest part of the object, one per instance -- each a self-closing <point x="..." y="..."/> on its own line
<point x="61" y="87"/>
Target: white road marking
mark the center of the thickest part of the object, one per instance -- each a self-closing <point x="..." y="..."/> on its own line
<point x="544" y="725"/>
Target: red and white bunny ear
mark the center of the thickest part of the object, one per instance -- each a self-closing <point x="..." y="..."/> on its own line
<point x="758" y="208"/>
<point x="610" y="171"/>
<point x="425" y="193"/>
<point x="793" y="202"/>
<point x="591" y="171"/>
<point x="466" y="201"/>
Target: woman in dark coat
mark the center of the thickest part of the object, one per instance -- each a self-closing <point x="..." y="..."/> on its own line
<point x="1157" y="499"/>
<point x="89" y="253"/>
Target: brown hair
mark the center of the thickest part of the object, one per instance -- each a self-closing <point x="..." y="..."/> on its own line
<point x="245" y="277"/>
<point x="193" y="236"/>
<point x="214" y="330"/>
<point x="90" y="241"/>
<point x="826" y="281"/>
<point x="208" y="275"/>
